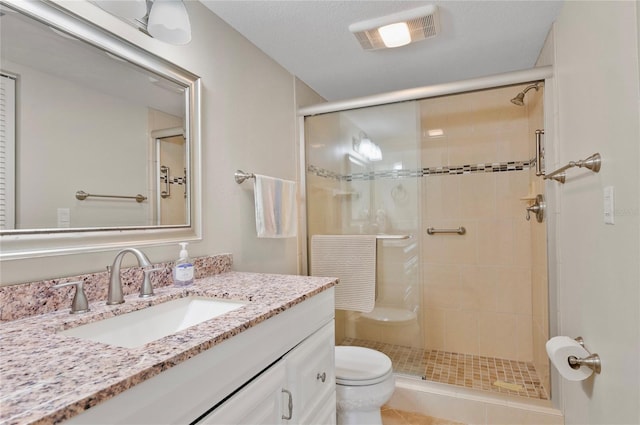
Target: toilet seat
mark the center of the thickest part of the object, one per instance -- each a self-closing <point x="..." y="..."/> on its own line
<point x="359" y="366"/>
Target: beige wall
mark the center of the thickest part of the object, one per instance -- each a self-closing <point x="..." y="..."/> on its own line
<point x="248" y="115"/>
<point x="598" y="279"/>
<point x="477" y="287"/>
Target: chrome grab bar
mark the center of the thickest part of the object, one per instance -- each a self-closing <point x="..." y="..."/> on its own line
<point x="460" y="230"/>
<point x="82" y="195"/>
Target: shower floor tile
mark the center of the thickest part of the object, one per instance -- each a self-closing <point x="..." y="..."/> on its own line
<point x="477" y="372"/>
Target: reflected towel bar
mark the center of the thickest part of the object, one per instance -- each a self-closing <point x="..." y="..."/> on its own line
<point x="241" y="176"/>
<point x="82" y="195"/>
<point x="460" y="231"/>
<point x="591" y="163"/>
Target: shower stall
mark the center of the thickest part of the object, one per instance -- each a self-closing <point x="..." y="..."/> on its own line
<point x="461" y="288"/>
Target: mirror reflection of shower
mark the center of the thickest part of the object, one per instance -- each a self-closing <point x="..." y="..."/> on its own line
<point x="171" y="179"/>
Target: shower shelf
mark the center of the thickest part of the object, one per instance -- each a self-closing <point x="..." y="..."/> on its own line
<point x="342" y="194"/>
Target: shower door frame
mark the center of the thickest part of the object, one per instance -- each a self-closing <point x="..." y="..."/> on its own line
<point x="510" y="78"/>
<point x="542" y="73"/>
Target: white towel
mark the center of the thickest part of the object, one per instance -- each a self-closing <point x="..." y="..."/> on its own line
<point x="352" y="259"/>
<point x="275" y="200"/>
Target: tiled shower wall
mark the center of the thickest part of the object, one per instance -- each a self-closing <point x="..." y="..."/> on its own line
<point x="478" y="287"/>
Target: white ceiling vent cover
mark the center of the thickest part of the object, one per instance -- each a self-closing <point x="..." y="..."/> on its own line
<point x="423" y="23"/>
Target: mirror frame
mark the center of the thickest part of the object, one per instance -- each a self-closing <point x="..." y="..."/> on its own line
<point x="33" y="243"/>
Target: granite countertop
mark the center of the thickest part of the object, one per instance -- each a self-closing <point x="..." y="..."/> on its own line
<point x="46" y="377"/>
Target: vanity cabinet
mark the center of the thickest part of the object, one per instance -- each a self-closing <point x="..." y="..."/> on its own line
<point x="241" y="380"/>
<point x="260" y="402"/>
<point x="298" y="389"/>
<point x="311" y="378"/>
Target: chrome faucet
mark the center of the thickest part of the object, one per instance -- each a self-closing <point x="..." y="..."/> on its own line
<point x="115" y="285"/>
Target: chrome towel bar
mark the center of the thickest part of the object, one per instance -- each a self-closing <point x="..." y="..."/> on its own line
<point x="591" y="163"/>
<point x="460" y="231"/>
<point x="241" y="176"/>
<point x="82" y="195"/>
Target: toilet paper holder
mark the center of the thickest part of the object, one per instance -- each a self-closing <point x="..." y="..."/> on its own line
<point x="592" y="361"/>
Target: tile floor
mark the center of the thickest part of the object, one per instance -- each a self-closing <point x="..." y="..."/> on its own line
<point x="398" y="417"/>
<point x="477" y="372"/>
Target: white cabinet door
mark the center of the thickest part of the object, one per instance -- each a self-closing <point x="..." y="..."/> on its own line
<point x="259" y="403"/>
<point x="311" y="376"/>
<point x="325" y="414"/>
<point x="298" y="389"/>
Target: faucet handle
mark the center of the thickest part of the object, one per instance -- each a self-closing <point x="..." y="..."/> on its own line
<point x="79" y="303"/>
<point x="146" y="289"/>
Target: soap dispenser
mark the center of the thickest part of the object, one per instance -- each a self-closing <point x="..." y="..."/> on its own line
<point x="183" y="271"/>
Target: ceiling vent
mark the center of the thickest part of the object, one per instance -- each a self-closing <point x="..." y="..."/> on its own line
<point x="417" y="24"/>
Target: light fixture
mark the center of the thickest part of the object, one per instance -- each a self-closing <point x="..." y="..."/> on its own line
<point x="397" y="29"/>
<point x="395" y="35"/>
<point x="169" y="22"/>
<point x="133" y="9"/>
<point x="165" y="20"/>
<point x="366" y="148"/>
<point x="435" y="132"/>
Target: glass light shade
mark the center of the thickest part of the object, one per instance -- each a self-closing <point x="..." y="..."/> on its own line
<point x="369" y="150"/>
<point x="169" y="22"/>
<point x="395" y="35"/>
<point x="132" y="9"/>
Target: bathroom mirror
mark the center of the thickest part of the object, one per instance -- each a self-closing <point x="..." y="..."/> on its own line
<point x="100" y="137"/>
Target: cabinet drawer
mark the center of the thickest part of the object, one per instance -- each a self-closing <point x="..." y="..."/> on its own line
<point x="310" y="371"/>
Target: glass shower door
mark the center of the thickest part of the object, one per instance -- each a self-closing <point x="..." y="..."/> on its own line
<point x="363" y="172"/>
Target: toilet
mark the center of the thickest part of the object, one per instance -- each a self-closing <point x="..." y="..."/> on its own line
<point x="364" y="382"/>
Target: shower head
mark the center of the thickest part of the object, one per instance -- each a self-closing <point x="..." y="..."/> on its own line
<point x="519" y="99"/>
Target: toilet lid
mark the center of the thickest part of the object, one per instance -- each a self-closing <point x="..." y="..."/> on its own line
<point x="359" y="365"/>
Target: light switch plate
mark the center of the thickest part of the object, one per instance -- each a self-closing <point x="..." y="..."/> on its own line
<point x="609" y="205"/>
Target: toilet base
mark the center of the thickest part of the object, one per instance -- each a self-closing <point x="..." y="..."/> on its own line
<point x="360" y="417"/>
<point x="360" y="405"/>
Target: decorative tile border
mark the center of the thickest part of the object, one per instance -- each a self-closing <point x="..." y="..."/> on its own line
<point x="321" y="172"/>
<point x="33" y="298"/>
<point x="493" y="167"/>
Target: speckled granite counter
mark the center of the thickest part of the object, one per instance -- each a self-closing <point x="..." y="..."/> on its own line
<point x="46" y="377"/>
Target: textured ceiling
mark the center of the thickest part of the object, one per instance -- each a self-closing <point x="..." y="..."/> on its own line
<point x="311" y="40"/>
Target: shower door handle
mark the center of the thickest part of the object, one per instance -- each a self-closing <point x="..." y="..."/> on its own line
<point x="164" y="174"/>
<point x="539" y="153"/>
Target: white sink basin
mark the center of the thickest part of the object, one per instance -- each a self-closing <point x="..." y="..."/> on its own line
<point x="149" y="324"/>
